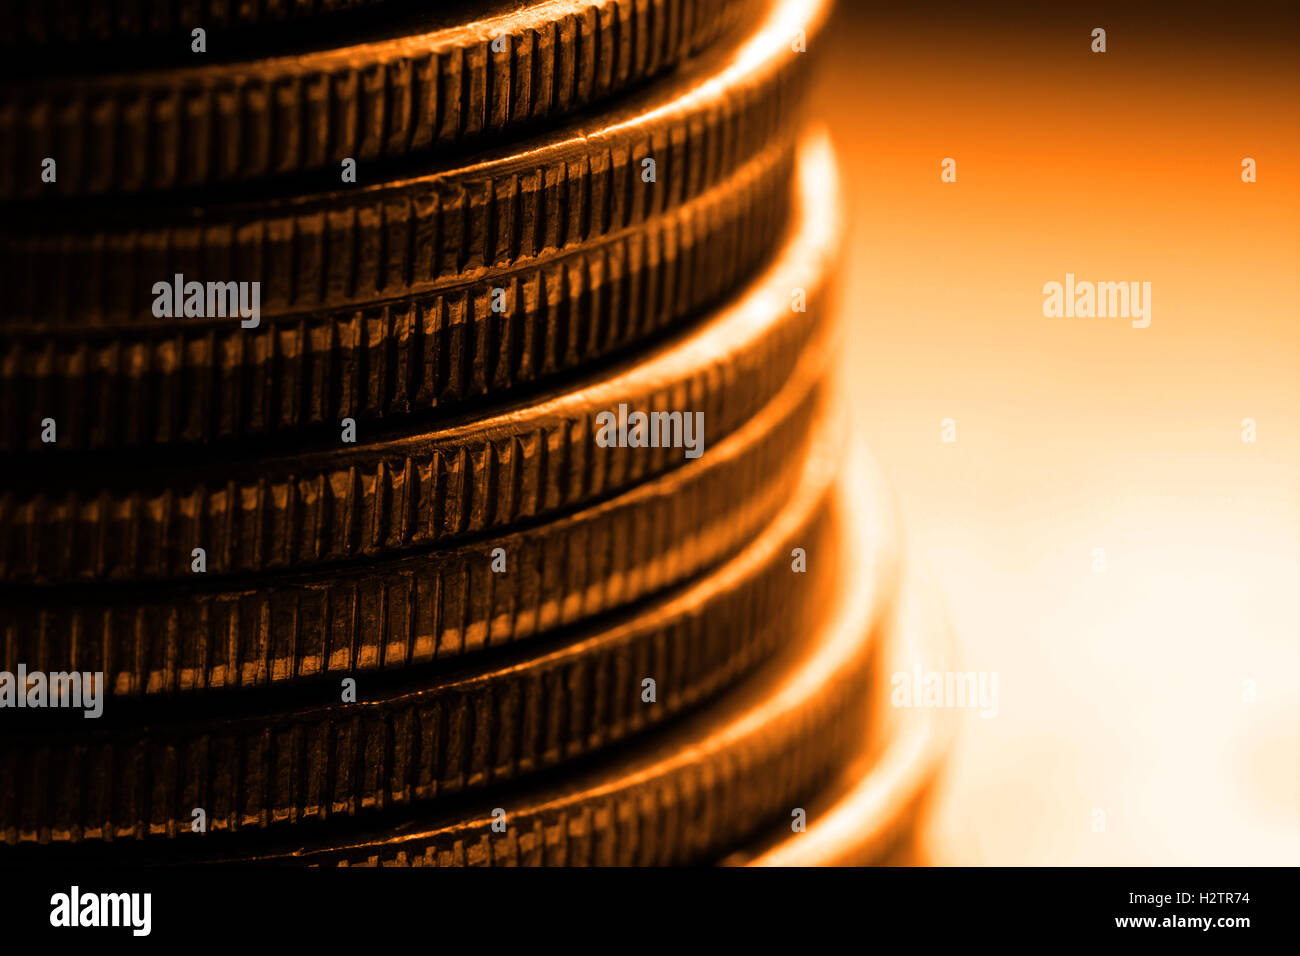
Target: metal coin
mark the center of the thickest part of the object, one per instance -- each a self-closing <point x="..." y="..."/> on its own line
<point x="413" y="93"/>
<point x="708" y="782"/>
<point x="562" y="310"/>
<point x="285" y="629"/>
<point x="417" y="488"/>
<point x="100" y="264"/>
<point x="138" y="772"/>
<point x="874" y="815"/>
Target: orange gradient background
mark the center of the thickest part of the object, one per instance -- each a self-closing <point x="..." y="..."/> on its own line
<point x="1123" y="690"/>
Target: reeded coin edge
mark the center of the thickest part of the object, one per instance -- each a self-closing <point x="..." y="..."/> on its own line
<point x="419" y="742"/>
<point x="705" y="784"/>
<point x="702" y="785"/>
<point x="874" y="813"/>
<point x="195" y="382"/>
<point x="882" y="812"/>
<point x="235" y="121"/>
<point x="434" y="606"/>
<point x="372" y="243"/>
<point x="389" y="496"/>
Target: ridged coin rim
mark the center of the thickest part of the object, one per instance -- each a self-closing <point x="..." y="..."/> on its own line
<point x="388" y="496"/>
<point x="705" y="784"/>
<point x="427" y="607"/>
<point x="367" y="243"/>
<point x="196" y="382"/>
<point x="406" y="746"/>
<point x="235" y="121"/>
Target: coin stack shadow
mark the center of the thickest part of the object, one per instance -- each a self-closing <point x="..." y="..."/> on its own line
<point x="420" y="441"/>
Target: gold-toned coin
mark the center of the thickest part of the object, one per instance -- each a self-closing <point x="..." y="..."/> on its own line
<point x="560" y="311"/>
<point x="287" y="629"/>
<point x="875" y="814"/>
<point x="255" y="763"/>
<point x="426" y="82"/>
<point x="707" y="783"/>
<point x="109" y="264"/>
<point x="408" y="489"/>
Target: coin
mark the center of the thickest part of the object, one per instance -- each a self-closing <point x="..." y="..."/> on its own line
<point x="373" y="557"/>
<point x="361" y="244"/>
<point x="285" y="629"/>
<point x="254" y="763"/>
<point x="416" y="488"/>
<point x="366" y="243"/>
<point x="230" y="121"/>
<point x="703" y="784"/>
<point x="875" y="813"/>
<point x="563" y="310"/>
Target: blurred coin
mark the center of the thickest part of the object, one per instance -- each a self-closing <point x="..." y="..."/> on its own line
<point x="876" y="813"/>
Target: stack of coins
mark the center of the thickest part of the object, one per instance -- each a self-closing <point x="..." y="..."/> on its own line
<point x="420" y="441"/>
